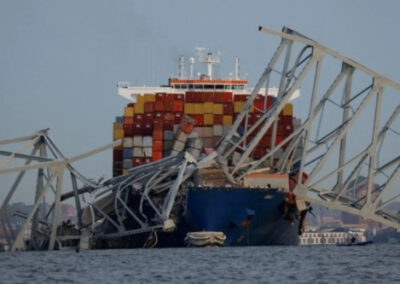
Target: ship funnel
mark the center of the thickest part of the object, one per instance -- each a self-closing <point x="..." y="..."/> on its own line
<point x="181" y="67"/>
<point x="237" y="68"/>
<point x="191" y="62"/>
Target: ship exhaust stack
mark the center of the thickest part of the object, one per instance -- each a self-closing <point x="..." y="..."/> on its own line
<point x="237" y="68"/>
<point x="181" y="67"/>
<point x="191" y="62"/>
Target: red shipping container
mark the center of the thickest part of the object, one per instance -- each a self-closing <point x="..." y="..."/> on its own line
<point x="177" y="106"/>
<point x="190" y="97"/>
<point x="157" y="146"/>
<point x="208" y="96"/>
<point x="138" y="118"/>
<point x="259" y="106"/>
<point x="159" y="115"/>
<point x="169" y="124"/>
<point x="128" y="130"/>
<point x="227" y="97"/>
<point x="158" y="124"/>
<point x="259" y="152"/>
<point x="198" y="119"/>
<point x="138" y="128"/>
<point x="280" y="130"/>
<point x="117" y="155"/>
<point x="286" y="119"/>
<point x="228" y="108"/>
<point x="169" y="116"/>
<point x="287" y="130"/>
<point x="148" y="118"/>
<point x="265" y="141"/>
<point x="157" y="155"/>
<point x="218" y="119"/>
<point x="179" y="97"/>
<point x="160" y="97"/>
<point x="218" y="97"/>
<point x="128" y="120"/>
<point x="138" y="161"/>
<point x="158" y="134"/>
<point x="279" y="139"/>
<point x="178" y="117"/>
<point x="147" y="129"/>
<point x="169" y="104"/>
<point x="148" y="107"/>
<point x="159" y="106"/>
<point x="147" y="160"/>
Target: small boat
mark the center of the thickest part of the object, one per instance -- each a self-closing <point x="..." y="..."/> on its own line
<point x="356" y="244"/>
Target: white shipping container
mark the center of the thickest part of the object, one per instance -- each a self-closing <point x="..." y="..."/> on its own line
<point x="148" y="151"/>
<point x="127" y="142"/>
<point x="179" y="146"/>
<point x="199" y="131"/>
<point x="207" y="132"/>
<point x="181" y="136"/>
<point x="138" y="152"/>
<point x="218" y="130"/>
<point x="147" y="141"/>
<point x="137" y="141"/>
<point x="226" y="130"/>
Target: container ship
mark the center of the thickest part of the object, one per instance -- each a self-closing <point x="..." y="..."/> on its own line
<point x="192" y="114"/>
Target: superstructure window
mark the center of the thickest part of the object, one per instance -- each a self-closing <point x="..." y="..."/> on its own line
<point x="228" y="87"/>
<point x="219" y="87"/>
<point x="183" y="86"/>
<point x="209" y="87"/>
<point x="190" y="86"/>
<point x="198" y="86"/>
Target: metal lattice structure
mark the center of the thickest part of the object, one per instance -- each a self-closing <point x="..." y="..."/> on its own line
<point x="323" y="162"/>
<point x="299" y="154"/>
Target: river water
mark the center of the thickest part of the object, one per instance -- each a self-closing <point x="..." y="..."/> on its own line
<point x="295" y="264"/>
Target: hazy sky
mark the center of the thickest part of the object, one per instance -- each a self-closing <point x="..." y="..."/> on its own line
<point x="60" y="60"/>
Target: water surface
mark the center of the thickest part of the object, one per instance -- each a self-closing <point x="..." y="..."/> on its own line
<point x="296" y="264"/>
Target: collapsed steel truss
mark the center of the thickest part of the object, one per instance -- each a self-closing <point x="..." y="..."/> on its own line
<point x="295" y="155"/>
<point x="296" y="152"/>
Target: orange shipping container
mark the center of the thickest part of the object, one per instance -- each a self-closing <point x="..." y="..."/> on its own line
<point x="218" y="109"/>
<point x="129" y="111"/>
<point x="157" y="155"/>
<point x="148" y="107"/>
<point x="208" y="119"/>
<point x="198" y="108"/>
<point x="158" y="106"/>
<point x="208" y="107"/>
<point x="157" y="145"/>
<point x="158" y="134"/>
<point x="227" y="120"/>
<point x="189" y="108"/>
<point x="139" y="108"/>
<point x="178" y="106"/>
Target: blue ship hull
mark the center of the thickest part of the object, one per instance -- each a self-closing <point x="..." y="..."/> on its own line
<point x="246" y="216"/>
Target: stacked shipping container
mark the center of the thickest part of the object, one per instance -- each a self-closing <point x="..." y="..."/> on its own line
<point x="149" y="126"/>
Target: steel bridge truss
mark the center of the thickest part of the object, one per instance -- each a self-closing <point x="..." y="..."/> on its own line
<point x="156" y="183"/>
<point x="343" y="186"/>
